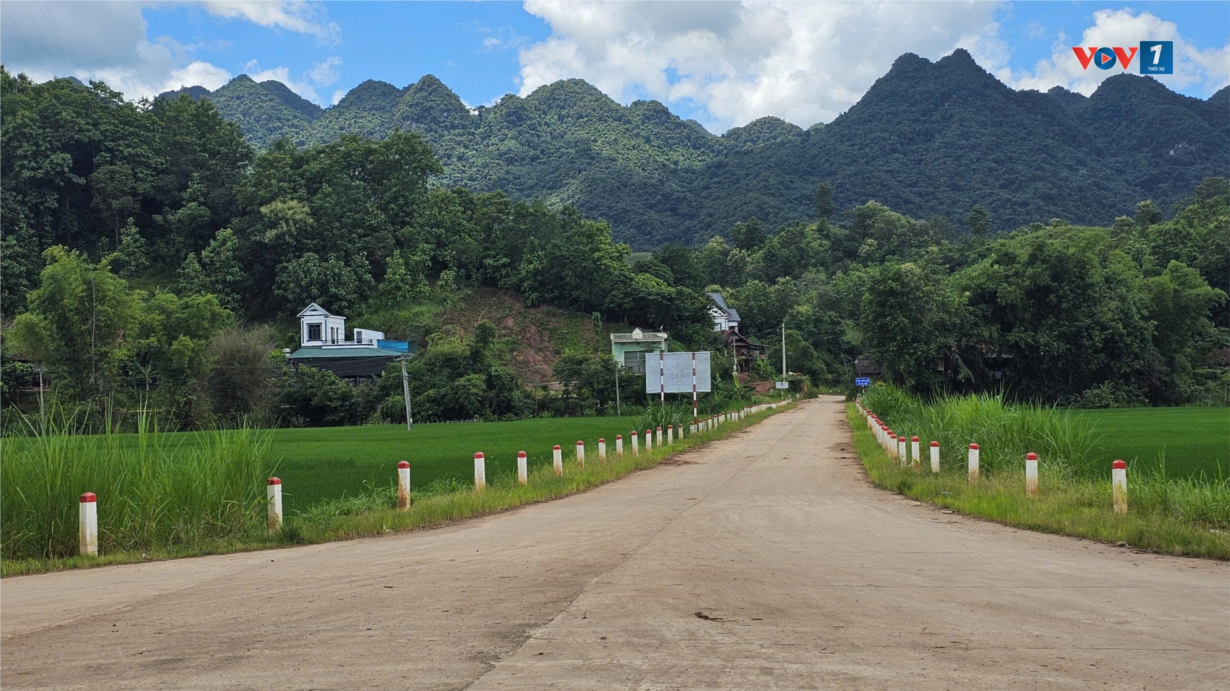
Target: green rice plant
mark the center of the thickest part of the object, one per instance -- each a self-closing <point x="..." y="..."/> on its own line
<point x="154" y="490"/>
<point x="656" y="416"/>
<point x="1182" y="516"/>
<point x="1004" y="431"/>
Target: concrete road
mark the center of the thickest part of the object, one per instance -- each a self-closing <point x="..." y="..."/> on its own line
<point x="764" y="561"/>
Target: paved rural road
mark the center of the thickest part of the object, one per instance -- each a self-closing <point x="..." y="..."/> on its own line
<point x="764" y="561"/>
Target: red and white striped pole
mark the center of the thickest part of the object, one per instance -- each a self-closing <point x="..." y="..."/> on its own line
<point x="1031" y="474"/>
<point x="523" y="469"/>
<point x="1118" y="482"/>
<point x="480" y="472"/>
<point x="648" y="440"/>
<point x="557" y="458"/>
<point x="601" y="449"/>
<point x="973" y="462"/>
<point x="694" y="420"/>
<point x="915" y="452"/>
<point x="619" y="445"/>
<point x="273" y="492"/>
<point x="87" y="524"/>
<point x="662" y="379"/>
<point x="935" y="456"/>
<point x="403" y="485"/>
<point x="636" y="445"/>
<point x="580" y="454"/>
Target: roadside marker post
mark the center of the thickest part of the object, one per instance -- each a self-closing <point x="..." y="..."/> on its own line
<point x="914" y="451"/>
<point x="973" y="463"/>
<point x="935" y="456"/>
<point x="636" y="445"/>
<point x="619" y="445"/>
<point x="557" y="457"/>
<point x="670" y="435"/>
<point x="601" y="449"/>
<point x="480" y="472"/>
<point x="648" y="441"/>
<point x="902" y="451"/>
<point x="658" y="441"/>
<point x="523" y="469"/>
<point x="403" y="486"/>
<point x="1031" y="474"/>
<point x="273" y="492"/>
<point x="87" y="526"/>
<point x="1118" y="481"/>
<point x="580" y="454"/>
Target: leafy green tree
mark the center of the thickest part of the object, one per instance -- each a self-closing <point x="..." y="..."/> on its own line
<point x="911" y="318"/>
<point x="822" y="200"/>
<point x="1147" y="214"/>
<point x="76" y="322"/>
<point x="978" y="220"/>
<point x="341" y="286"/>
<point x="748" y="235"/>
<point x="133" y="254"/>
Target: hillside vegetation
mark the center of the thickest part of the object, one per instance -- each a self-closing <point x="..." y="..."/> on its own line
<point x="928" y="139"/>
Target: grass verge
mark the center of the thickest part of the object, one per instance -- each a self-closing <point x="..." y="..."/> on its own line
<point x="373" y="512"/>
<point x="1067" y="504"/>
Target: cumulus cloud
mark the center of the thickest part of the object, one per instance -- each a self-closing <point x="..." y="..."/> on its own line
<point x="1123" y="28"/>
<point x="321" y="74"/>
<point x="803" y="62"/>
<point x="107" y="41"/>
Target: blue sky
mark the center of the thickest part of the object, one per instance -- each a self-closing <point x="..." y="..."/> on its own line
<point x="723" y="64"/>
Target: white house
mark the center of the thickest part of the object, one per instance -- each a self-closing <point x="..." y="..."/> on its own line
<point x="323" y="345"/>
<point x="725" y="318"/>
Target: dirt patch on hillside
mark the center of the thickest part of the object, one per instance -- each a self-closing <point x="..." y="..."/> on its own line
<point x="535" y="337"/>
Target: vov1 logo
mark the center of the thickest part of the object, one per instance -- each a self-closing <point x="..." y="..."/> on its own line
<point x="1156" y="57"/>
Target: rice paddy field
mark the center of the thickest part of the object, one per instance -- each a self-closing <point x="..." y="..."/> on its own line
<point x="329" y="462"/>
<point x="1182" y="442"/>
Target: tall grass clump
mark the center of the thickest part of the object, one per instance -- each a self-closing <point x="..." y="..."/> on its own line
<point x="1004" y="431"/>
<point x="154" y="490"/>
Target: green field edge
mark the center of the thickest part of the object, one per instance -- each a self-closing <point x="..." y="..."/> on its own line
<point x="1063" y="510"/>
<point x="502" y="494"/>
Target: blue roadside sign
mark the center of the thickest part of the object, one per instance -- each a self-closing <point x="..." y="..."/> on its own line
<point x="862" y="381"/>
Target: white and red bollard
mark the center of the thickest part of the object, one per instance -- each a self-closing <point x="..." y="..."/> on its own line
<point x="619" y="445"/>
<point x="973" y="462"/>
<point x="403" y="485"/>
<point x="1118" y="485"/>
<point x="648" y="440"/>
<point x="670" y="435"/>
<point x="915" y="452"/>
<point x="580" y="454"/>
<point x="557" y="460"/>
<point x="901" y="450"/>
<point x="87" y="524"/>
<point x="1031" y="474"/>
<point x="636" y="445"/>
<point x="480" y="472"/>
<point x="935" y="456"/>
<point x="658" y="441"/>
<point x="523" y="469"/>
<point x="601" y="449"/>
<point x="273" y="492"/>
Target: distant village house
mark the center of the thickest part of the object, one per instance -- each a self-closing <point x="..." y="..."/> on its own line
<point x="323" y="345"/>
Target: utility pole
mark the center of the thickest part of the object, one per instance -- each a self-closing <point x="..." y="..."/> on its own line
<point x="618" y="412"/>
<point x="783" y="351"/>
<point x="405" y="388"/>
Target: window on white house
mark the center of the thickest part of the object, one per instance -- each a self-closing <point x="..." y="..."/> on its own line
<point x="313" y="332"/>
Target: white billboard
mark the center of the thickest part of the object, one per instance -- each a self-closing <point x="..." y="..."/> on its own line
<point x="675" y="371"/>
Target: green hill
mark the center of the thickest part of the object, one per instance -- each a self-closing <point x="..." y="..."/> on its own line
<point x="928" y="139"/>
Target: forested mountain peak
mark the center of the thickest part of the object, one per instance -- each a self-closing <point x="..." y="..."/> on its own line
<point x="292" y="100"/>
<point x="927" y="139"/>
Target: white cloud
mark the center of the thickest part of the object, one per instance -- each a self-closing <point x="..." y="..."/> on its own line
<point x="282" y="74"/>
<point x="325" y="73"/>
<point x="338" y="96"/>
<point x="108" y="41"/>
<point x="803" y="62"/>
<point x="1211" y="68"/>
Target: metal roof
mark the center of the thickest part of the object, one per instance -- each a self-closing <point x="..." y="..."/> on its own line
<point x="731" y="313"/>
<point x="313" y="353"/>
